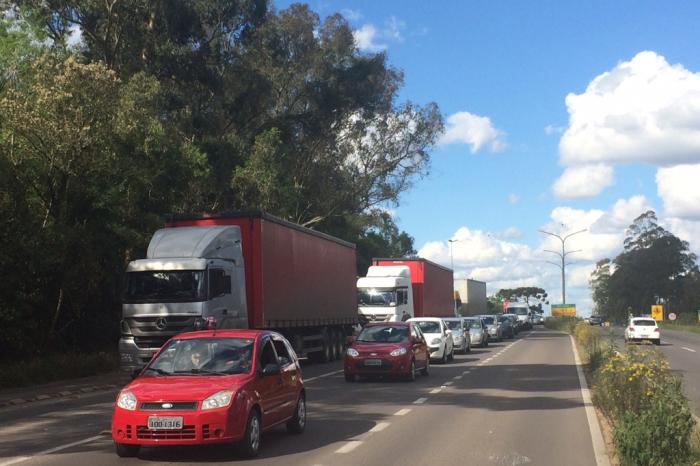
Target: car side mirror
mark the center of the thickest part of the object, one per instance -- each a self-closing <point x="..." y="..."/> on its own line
<point x="270" y="369"/>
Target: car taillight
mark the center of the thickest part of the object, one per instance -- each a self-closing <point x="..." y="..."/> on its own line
<point x="631" y="329"/>
<point x="657" y="329"/>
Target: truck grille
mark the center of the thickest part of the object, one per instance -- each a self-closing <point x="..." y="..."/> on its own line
<point x="144" y="433"/>
<point x="150" y="342"/>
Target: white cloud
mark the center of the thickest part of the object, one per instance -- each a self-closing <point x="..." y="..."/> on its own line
<point x="474" y="130"/>
<point x="552" y="129"/>
<point x="352" y="15"/>
<point x="513" y="198"/>
<point x="583" y="181"/>
<point x="393" y="29"/>
<point x="679" y="187"/>
<point x="365" y="38"/>
<point x="642" y="110"/>
<point x="511" y="233"/>
<point x="623" y="212"/>
<point x="687" y="230"/>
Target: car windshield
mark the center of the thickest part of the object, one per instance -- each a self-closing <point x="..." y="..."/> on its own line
<point x="376" y="296"/>
<point x="165" y="286"/>
<point x="204" y="356"/>
<point x="383" y="334"/>
<point x="454" y="324"/>
<point x="475" y="324"/>
<point x="504" y="319"/>
<point x="644" y="323"/>
<point x="428" y="326"/>
<point x="488" y="320"/>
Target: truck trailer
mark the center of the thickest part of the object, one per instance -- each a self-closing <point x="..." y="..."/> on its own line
<point x="470" y="296"/>
<point x="240" y="270"/>
<point x="429" y="294"/>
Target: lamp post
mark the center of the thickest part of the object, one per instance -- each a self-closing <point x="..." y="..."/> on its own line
<point x="562" y="255"/>
<point x="452" y="262"/>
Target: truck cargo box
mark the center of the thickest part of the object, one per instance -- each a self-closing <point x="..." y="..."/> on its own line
<point x="431" y="283"/>
<point x="472" y="296"/>
<point x="295" y="277"/>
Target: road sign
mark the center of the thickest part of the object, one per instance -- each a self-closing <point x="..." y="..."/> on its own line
<point x="657" y="312"/>
<point x="563" y="309"/>
<point x="672" y="316"/>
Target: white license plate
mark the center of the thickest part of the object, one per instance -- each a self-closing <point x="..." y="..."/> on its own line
<point x="373" y="362"/>
<point x="164" y="422"/>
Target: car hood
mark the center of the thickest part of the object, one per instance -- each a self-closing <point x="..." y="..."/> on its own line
<point x="183" y="388"/>
<point x="364" y="347"/>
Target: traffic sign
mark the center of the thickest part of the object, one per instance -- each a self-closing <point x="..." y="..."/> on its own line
<point x="657" y="312"/>
<point x="563" y="310"/>
<point x="672" y="316"/>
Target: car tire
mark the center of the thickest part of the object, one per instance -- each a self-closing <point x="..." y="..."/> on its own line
<point x="657" y="342"/>
<point x="426" y="369"/>
<point x="249" y="447"/>
<point x="452" y="354"/>
<point x="443" y="360"/>
<point x="350" y="378"/>
<point x="297" y="423"/>
<point x="411" y="376"/>
<point x="126" y="451"/>
<point x="469" y="348"/>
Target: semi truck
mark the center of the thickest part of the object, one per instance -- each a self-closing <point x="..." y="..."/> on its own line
<point x="400" y="288"/>
<point x="470" y="297"/>
<point x="240" y="270"/>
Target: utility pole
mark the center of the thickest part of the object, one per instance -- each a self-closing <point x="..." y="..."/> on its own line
<point x="452" y="262"/>
<point x="562" y="255"/>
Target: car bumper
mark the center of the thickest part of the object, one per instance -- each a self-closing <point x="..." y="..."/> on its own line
<point x="199" y="427"/>
<point x="389" y="365"/>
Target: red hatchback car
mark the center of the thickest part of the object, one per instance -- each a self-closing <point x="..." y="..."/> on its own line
<point x="388" y="348"/>
<point x="212" y="387"/>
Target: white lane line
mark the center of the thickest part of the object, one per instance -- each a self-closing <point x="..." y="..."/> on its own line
<point x="420" y="401"/>
<point x="435" y="390"/>
<point x="688" y="349"/>
<point x="447" y="384"/>
<point x="20" y="459"/>
<point x="458" y="377"/>
<point x="349" y="446"/>
<point x="465" y="372"/>
<point x="402" y="412"/>
<point x="601" y="458"/>
<point x="380" y="426"/>
<point x="328" y="374"/>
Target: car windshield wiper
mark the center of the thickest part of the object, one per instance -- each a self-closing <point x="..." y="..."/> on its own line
<point x="158" y="371"/>
<point x="200" y="371"/>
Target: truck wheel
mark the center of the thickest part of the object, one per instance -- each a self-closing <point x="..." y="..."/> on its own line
<point x="126" y="451"/>
<point x="250" y="445"/>
<point x="339" y="344"/>
<point x="326" y="353"/>
<point x="332" y="349"/>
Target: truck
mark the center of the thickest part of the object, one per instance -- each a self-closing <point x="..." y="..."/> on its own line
<point x="522" y="311"/>
<point x="240" y="270"/>
<point x="470" y="296"/>
<point x="400" y="288"/>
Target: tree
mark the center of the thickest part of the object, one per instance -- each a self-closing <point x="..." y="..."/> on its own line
<point x="600" y="287"/>
<point x="380" y="237"/>
<point x="534" y="297"/>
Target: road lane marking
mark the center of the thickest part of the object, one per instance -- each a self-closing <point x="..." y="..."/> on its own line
<point x="349" y="446"/>
<point x="688" y="349"/>
<point x="328" y="374"/>
<point x="447" y="384"/>
<point x="20" y="459"/>
<point x="380" y="426"/>
<point x="465" y="372"/>
<point x="402" y="412"/>
<point x="458" y="377"/>
<point x="420" y="401"/>
<point x="601" y="458"/>
<point x="435" y="390"/>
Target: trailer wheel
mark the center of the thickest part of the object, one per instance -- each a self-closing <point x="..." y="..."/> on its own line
<point x="339" y="350"/>
<point x="333" y="345"/>
<point x="325" y="355"/>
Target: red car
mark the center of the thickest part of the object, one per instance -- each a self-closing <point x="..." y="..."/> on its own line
<point x="389" y="348"/>
<point x="212" y="387"/>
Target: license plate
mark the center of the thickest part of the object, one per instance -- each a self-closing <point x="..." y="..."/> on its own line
<point x="373" y="362"/>
<point x="164" y="422"/>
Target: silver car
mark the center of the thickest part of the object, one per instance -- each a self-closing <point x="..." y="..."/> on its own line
<point x="477" y="332"/>
<point x="460" y="334"/>
<point x="493" y="327"/>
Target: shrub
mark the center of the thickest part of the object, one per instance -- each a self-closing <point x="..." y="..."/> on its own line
<point x="56" y="367"/>
<point x="563" y="323"/>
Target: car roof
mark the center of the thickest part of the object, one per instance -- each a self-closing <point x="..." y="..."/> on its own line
<point x="391" y="324"/>
<point x="226" y="333"/>
<point x="430" y="319"/>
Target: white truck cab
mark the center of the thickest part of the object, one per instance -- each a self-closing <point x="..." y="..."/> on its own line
<point x="522" y="311"/>
<point x="385" y="294"/>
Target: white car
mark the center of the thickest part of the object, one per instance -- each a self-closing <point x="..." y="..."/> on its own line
<point x="438" y="337"/>
<point x="460" y="334"/>
<point x="641" y="329"/>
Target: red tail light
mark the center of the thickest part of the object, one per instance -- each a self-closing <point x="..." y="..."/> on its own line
<point x="631" y="329"/>
<point x="657" y="329"/>
<point x="211" y="323"/>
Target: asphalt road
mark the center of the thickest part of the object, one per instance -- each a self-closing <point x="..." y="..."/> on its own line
<point x="682" y="349"/>
<point x="513" y="403"/>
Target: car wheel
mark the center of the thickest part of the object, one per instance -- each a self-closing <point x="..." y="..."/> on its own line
<point x="126" y="451"/>
<point x="443" y="360"/>
<point x="297" y="423"/>
<point x="250" y="445"/>
<point x="452" y="354"/>
<point x="657" y="342"/>
<point x="411" y="376"/>
<point x="426" y="369"/>
<point x="349" y="377"/>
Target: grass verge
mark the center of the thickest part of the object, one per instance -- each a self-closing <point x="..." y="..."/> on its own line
<point x="55" y="367"/>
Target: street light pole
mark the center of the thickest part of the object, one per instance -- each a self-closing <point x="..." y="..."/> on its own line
<point x="452" y="262"/>
<point x="562" y="256"/>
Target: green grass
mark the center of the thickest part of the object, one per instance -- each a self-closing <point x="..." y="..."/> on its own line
<point x="55" y="367"/>
<point x="694" y="328"/>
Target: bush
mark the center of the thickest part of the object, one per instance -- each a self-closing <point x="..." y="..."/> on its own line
<point x="659" y="435"/>
<point x="56" y="367"/>
<point x="563" y="323"/>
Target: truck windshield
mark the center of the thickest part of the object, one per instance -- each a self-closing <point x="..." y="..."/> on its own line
<point x="165" y="286"/>
<point x="376" y="296"/>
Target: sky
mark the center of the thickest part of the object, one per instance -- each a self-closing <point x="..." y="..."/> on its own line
<point x="559" y="116"/>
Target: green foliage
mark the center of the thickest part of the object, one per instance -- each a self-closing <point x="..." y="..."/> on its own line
<point x="562" y="323"/>
<point x="535" y="297"/>
<point x="56" y="367"/>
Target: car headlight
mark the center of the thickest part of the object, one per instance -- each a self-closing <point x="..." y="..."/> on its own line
<point x="398" y="352"/>
<point x="127" y="400"/>
<point x="435" y="341"/>
<point x="218" y="400"/>
<point x="352" y="352"/>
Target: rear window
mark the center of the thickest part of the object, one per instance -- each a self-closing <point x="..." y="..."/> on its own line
<point x="644" y="323"/>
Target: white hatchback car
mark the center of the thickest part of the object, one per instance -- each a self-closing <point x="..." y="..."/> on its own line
<point x="641" y="329"/>
<point x="438" y="337"/>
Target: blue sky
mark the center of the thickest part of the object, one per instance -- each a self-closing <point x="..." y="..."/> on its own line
<point x="629" y="142"/>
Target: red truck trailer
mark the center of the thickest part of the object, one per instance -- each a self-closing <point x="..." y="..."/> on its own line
<point x="432" y="286"/>
<point x="253" y="270"/>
